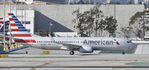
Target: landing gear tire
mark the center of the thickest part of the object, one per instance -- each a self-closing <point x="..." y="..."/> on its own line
<point x="71" y="53"/>
<point x="123" y="53"/>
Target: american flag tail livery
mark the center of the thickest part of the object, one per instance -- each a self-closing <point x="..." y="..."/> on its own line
<point x="18" y="31"/>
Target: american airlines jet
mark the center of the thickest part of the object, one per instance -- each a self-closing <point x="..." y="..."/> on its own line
<point x="82" y="44"/>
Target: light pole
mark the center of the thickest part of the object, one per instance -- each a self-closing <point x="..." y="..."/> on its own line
<point x="51" y="28"/>
<point x="22" y="12"/>
<point x="4" y="20"/>
<point x="114" y="10"/>
<point x="9" y="29"/>
<point x="16" y="8"/>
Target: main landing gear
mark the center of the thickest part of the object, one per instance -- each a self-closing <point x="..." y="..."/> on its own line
<point x="71" y="53"/>
<point x="123" y="53"/>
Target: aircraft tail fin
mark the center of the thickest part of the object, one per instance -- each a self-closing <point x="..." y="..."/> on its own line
<point x="17" y="30"/>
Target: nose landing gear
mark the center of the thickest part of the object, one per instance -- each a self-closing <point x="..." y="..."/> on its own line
<point x="123" y="53"/>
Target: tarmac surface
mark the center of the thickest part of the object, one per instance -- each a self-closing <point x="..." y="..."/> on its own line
<point x="64" y="61"/>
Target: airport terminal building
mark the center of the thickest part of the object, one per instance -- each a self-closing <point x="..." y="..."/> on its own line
<point x="60" y="16"/>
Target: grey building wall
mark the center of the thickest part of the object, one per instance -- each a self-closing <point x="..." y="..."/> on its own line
<point x="61" y="15"/>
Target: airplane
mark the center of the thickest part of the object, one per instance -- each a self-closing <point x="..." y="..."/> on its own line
<point x="19" y="34"/>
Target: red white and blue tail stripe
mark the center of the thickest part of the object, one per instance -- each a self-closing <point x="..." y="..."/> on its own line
<point x="18" y="31"/>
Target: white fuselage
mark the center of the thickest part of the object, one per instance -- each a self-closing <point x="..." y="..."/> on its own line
<point x="97" y="43"/>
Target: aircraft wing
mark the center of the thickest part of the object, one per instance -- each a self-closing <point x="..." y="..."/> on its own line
<point x="66" y="46"/>
<point x="70" y="46"/>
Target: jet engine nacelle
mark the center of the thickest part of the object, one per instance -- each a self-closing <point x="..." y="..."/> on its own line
<point x="86" y="49"/>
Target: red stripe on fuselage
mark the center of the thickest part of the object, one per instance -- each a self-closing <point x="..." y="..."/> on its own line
<point x="22" y="35"/>
<point x="25" y="41"/>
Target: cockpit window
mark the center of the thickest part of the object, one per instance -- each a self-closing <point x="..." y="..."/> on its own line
<point x="129" y="41"/>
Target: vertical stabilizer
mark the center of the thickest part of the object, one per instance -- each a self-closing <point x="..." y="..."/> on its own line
<point x="18" y="31"/>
